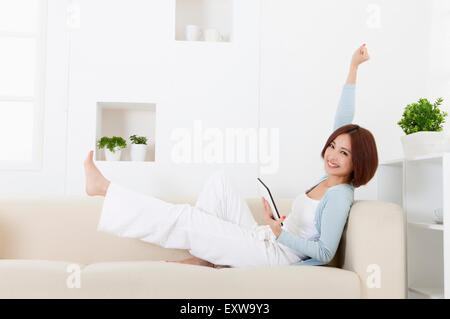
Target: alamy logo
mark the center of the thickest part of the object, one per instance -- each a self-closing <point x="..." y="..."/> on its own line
<point x="73" y="15"/>
<point x="374" y="16"/>
<point x="229" y="145"/>
<point x="74" y="279"/>
<point x="374" y="278"/>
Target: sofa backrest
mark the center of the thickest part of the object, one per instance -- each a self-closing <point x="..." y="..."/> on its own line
<point x="65" y="228"/>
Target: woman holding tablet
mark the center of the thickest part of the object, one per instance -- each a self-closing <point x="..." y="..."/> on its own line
<point x="220" y="228"/>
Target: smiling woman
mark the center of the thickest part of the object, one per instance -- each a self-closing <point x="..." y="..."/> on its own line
<point x="220" y="228"/>
<point x="361" y="162"/>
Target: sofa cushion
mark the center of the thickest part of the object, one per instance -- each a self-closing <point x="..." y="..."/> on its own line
<point x="35" y="279"/>
<point x="158" y="279"/>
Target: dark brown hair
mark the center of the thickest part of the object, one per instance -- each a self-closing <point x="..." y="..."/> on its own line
<point x="364" y="152"/>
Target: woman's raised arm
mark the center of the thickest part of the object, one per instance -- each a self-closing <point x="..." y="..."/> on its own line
<point x="346" y="107"/>
<point x="359" y="56"/>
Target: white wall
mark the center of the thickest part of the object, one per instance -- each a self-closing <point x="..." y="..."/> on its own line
<point x="125" y="50"/>
<point x="284" y="69"/>
<point x="438" y="84"/>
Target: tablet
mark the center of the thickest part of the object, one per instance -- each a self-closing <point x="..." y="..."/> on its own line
<point x="265" y="192"/>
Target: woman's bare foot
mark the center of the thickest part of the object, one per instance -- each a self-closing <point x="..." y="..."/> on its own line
<point x="96" y="183"/>
<point x="193" y="261"/>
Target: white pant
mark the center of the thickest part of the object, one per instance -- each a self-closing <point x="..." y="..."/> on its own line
<point x="220" y="228"/>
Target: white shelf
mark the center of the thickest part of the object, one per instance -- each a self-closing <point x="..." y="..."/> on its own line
<point x="437" y="157"/>
<point x="429" y="292"/>
<point x="206" y="14"/>
<point x="124" y="118"/>
<point x="431" y="226"/>
<point x="434" y="158"/>
<point x="124" y="163"/>
<point x="196" y="44"/>
<point x="420" y="184"/>
<point x="394" y="162"/>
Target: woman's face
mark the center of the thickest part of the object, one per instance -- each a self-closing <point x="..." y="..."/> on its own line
<point x="338" y="157"/>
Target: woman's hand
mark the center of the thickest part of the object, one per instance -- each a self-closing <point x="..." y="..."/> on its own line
<point x="359" y="56"/>
<point x="275" y="225"/>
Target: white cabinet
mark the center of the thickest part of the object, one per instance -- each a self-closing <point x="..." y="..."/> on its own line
<point x="421" y="185"/>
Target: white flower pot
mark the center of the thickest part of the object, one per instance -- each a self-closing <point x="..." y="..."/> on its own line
<point x="113" y="156"/>
<point x="138" y="152"/>
<point x="422" y="143"/>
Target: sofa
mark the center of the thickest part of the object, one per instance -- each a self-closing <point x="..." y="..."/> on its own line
<point x="50" y="248"/>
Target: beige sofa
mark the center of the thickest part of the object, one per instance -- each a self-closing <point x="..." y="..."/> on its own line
<point x="50" y="248"/>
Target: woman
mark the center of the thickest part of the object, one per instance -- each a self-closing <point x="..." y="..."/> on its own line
<point x="220" y="228"/>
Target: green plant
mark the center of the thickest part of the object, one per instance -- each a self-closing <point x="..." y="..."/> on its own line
<point x="111" y="142"/>
<point x="138" y="139"/>
<point x="422" y="116"/>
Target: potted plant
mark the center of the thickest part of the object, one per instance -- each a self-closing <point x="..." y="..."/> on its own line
<point x="422" y="124"/>
<point x="113" y="147"/>
<point x="138" y="148"/>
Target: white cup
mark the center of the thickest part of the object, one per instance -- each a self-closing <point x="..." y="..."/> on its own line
<point x="192" y="32"/>
<point x="212" y="35"/>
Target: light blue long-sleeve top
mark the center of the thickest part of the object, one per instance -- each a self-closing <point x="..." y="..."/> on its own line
<point x="332" y="210"/>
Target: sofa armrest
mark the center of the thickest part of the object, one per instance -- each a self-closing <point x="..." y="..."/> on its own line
<point x="374" y="246"/>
